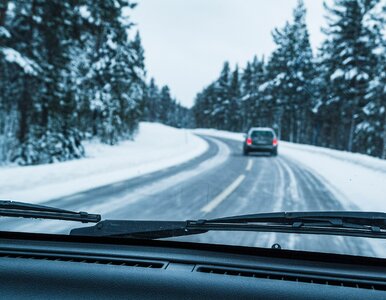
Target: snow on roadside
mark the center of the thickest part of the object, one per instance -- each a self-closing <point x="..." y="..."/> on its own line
<point x="155" y="147"/>
<point x="220" y="133"/>
<point x="358" y="180"/>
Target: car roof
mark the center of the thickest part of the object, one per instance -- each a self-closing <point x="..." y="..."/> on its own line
<point x="261" y="129"/>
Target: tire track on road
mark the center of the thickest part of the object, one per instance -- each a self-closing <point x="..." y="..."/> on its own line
<point x="267" y="184"/>
<point x="117" y="199"/>
<point x="316" y="197"/>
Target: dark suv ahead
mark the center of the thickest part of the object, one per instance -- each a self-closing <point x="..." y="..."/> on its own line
<point x="260" y="139"/>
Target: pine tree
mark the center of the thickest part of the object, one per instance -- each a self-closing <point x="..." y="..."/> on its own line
<point x="164" y="104"/>
<point x="151" y="101"/>
<point x="259" y="101"/>
<point x="246" y="86"/>
<point x="234" y="118"/>
<point x="370" y="135"/>
<point x="221" y="104"/>
<point x="71" y="71"/>
<point x="202" y="108"/>
<point x="349" y="65"/>
<point x="290" y="73"/>
<point x="116" y="80"/>
<point x="159" y="106"/>
<point x="337" y="99"/>
<point x="43" y="92"/>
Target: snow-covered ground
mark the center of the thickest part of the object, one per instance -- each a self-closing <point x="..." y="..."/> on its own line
<point x="357" y="180"/>
<point x="155" y="147"/>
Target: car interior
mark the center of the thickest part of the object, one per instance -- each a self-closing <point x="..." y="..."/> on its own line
<point x="61" y="266"/>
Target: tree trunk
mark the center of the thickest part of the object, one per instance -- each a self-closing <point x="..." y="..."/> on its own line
<point x="23" y="110"/>
<point x="384" y="138"/>
<point x="351" y="136"/>
<point x="3" y="11"/>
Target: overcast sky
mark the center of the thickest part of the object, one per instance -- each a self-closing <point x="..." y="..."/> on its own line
<point x="187" y="41"/>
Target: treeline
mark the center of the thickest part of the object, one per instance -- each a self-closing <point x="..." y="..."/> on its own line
<point x="160" y="106"/>
<point x="335" y="98"/>
<point x="71" y="70"/>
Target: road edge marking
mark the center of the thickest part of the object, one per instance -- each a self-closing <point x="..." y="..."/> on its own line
<point x="223" y="195"/>
<point x="249" y="165"/>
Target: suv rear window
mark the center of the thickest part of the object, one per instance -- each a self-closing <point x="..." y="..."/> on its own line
<point x="261" y="134"/>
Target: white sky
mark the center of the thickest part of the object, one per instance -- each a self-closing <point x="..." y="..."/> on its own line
<point x="187" y="41"/>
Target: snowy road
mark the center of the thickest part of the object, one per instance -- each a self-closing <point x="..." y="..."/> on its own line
<point x="220" y="182"/>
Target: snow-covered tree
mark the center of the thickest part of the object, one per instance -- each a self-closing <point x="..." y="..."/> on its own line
<point x="159" y="106"/>
<point x="290" y="73"/>
<point x="69" y="70"/>
<point x="348" y="66"/>
<point x="234" y="95"/>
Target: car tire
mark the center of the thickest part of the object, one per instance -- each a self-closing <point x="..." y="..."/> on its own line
<point x="274" y="153"/>
<point x="245" y="152"/>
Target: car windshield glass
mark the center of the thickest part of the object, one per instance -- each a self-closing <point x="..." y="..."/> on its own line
<point x="163" y="119"/>
<point x="262" y="134"/>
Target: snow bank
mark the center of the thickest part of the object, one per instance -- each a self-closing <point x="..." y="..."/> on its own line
<point x="155" y="147"/>
<point x="220" y="133"/>
<point x="356" y="179"/>
<point x="359" y="178"/>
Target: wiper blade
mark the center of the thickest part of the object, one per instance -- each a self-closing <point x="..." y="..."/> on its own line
<point x="26" y="210"/>
<point x="359" y="224"/>
<point x="333" y="218"/>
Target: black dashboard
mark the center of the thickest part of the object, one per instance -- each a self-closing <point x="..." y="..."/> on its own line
<point x="58" y="266"/>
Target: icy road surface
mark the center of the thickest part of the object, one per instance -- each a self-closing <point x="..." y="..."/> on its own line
<point x="219" y="182"/>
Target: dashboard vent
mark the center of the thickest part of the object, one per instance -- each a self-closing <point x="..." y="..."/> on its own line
<point x="361" y="284"/>
<point x="89" y="260"/>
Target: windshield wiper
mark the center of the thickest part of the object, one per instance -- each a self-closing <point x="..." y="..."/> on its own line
<point x="343" y="223"/>
<point x="26" y="210"/>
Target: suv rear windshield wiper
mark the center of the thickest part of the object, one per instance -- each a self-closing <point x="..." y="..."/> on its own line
<point x="343" y="223"/>
<point x="26" y="210"/>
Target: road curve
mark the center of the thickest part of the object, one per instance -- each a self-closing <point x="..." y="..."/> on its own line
<point x="220" y="182"/>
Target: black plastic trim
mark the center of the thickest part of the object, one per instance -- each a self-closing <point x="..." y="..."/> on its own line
<point x="254" y="251"/>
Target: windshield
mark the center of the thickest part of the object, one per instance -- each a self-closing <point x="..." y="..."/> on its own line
<point x="141" y="111"/>
<point x="262" y="134"/>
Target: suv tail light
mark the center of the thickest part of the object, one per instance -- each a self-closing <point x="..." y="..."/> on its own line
<point x="249" y="141"/>
<point x="274" y="142"/>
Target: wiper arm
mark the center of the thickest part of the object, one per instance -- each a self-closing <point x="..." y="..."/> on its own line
<point x="26" y="210"/>
<point x="351" y="219"/>
<point x="138" y="229"/>
<point x="359" y="224"/>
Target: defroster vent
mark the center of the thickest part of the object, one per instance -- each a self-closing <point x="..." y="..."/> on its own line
<point x="274" y="275"/>
<point x="89" y="260"/>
